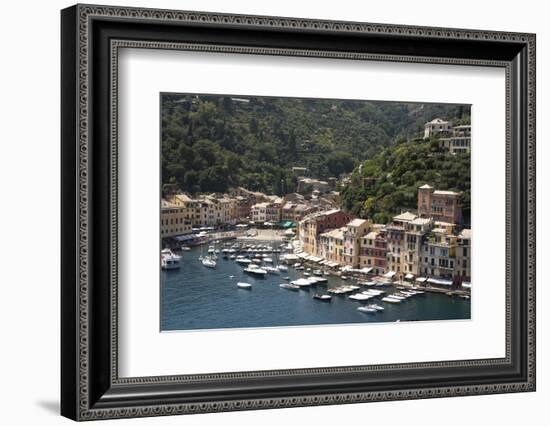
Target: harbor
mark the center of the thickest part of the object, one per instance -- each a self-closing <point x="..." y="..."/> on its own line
<point x="247" y="282"/>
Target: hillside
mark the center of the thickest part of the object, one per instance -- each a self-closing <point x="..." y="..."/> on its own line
<point x="388" y="183"/>
<point x="212" y="143"/>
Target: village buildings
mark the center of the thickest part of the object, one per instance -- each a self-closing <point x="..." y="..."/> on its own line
<point x="412" y="244"/>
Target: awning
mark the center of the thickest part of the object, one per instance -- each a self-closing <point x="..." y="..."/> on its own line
<point x="421" y="279"/>
<point x="409" y="276"/>
<point x="467" y="284"/>
<point x="438" y="281"/>
<point x="313" y="258"/>
<point x="389" y="274"/>
<point x="365" y="270"/>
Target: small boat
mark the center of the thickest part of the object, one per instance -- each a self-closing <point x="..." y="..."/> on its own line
<point x="326" y="273"/>
<point x="359" y="297"/>
<point x="231" y="276"/>
<point x="301" y="282"/>
<point x="322" y="297"/>
<point x="377" y="307"/>
<point x="299" y="268"/>
<point x="268" y="260"/>
<point x="317" y="272"/>
<point x="232" y="257"/>
<point x="255" y="270"/>
<point x="257" y="261"/>
<point x="168" y="262"/>
<point x="391" y="300"/>
<point x="208" y="262"/>
<point x="168" y="252"/>
<point x="367" y="309"/>
<point x="282" y="268"/>
<point x="245" y="286"/>
<point x="297" y="265"/>
<point x="344" y="277"/>
<point x="306" y="274"/>
<point x="272" y="270"/>
<point x="286" y="278"/>
<point x="321" y="279"/>
<point x="289" y="286"/>
<point x="243" y="261"/>
<point x="397" y="296"/>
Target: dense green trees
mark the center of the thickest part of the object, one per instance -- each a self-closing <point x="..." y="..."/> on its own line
<point x="212" y="143"/>
<point x="388" y="182"/>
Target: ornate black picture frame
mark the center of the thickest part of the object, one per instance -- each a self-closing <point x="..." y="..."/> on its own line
<point x="91" y="388"/>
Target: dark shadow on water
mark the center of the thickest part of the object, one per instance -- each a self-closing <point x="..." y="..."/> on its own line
<point x="50" y="406"/>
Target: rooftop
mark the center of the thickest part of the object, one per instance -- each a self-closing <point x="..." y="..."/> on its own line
<point x="465" y="234"/>
<point x="420" y="221"/>
<point x="406" y="217"/>
<point x="334" y="233"/>
<point x="437" y="121"/>
<point x="372" y="235"/>
<point x="446" y="193"/>
<point x="357" y="222"/>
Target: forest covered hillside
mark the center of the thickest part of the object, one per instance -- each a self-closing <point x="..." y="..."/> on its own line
<point x="388" y="183"/>
<point x="212" y="143"/>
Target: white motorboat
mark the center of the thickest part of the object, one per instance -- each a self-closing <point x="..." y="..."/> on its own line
<point x="289" y="286"/>
<point x="301" y="282"/>
<point x="168" y="252"/>
<point x="245" y="286"/>
<point x="272" y="270"/>
<point x="359" y="297"/>
<point x="243" y="261"/>
<point x="282" y="268"/>
<point x="169" y="262"/>
<point x="297" y="265"/>
<point x="375" y="306"/>
<point x="317" y="272"/>
<point x="322" y="297"/>
<point x="208" y="262"/>
<point x="367" y="309"/>
<point x="268" y="260"/>
<point x="306" y="274"/>
<point x="390" y="300"/>
<point x="321" y="279"/>
<point x="255" y="270"/>
<point x="397" y="296"/>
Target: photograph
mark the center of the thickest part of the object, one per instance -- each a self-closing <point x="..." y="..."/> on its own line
<point x="281" y="211"/>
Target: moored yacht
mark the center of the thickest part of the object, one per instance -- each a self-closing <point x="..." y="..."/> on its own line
<point x="169" y="262"/>
<point x="208" y="262"/>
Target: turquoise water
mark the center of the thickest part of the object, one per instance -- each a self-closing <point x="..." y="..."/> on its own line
<point x="195" y="297"/>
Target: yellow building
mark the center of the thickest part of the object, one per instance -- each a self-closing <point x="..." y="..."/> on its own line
<point x="173" y="220"/>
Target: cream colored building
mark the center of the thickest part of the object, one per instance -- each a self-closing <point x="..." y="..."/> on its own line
<point x="173" y="220"/>
<point x="464" y="255"/>
<point x="355" y="230"/>
<point x="436" y="127"/>
<point x="331" y="245"/>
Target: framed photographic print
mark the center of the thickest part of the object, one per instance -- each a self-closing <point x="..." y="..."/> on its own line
<point x="263" y="212"/>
